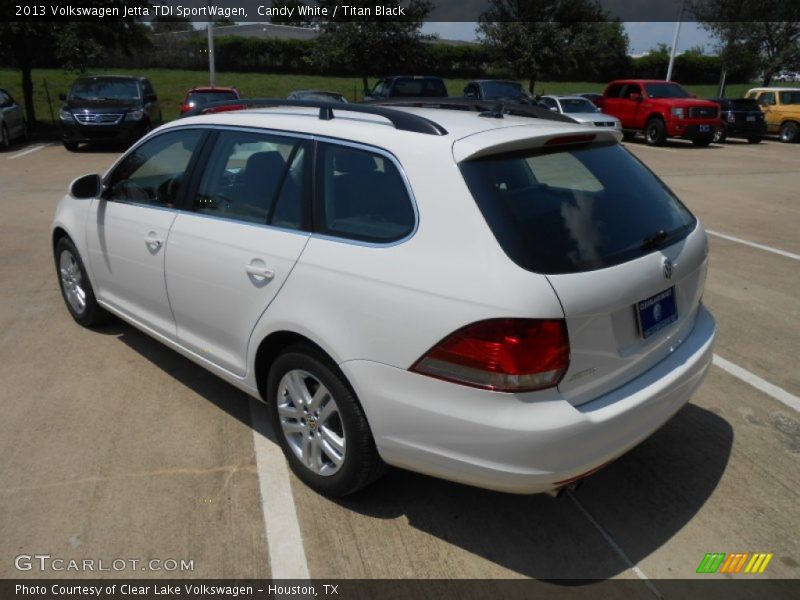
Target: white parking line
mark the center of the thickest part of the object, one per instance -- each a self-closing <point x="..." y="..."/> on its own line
<point x="762" y="385"/>
<point x="659" y="148"/>
<point x="287" y="557"/>
<point x="28" y="151"/>
<point x="612" y="542"/>
<point x="730" y="238"/>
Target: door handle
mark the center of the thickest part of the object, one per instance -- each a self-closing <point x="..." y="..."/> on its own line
<point x="259" y="271"/>
<point x="152" y="241"/>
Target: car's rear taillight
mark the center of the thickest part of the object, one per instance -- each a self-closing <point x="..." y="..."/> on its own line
<point x="507" y="355"/>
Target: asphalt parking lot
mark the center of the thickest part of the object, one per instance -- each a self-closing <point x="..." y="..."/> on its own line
<point x="115" y="447"/>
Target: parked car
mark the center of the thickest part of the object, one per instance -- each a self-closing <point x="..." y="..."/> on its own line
<point x="591" y="96"/>
<point x="200" y="96"/>
<point x="319" y="95"/>
<point x="660" y="110"/>
<point x="404" y="86"/>
<point x="781" y="108"/>
<point x="498" y="89"/>
<point x="740" y="118"/>
<point x="581" y="109"/>
<point x="108" y="108"/>
<point x="12" y="121"/>
<point x="433" y="313"/>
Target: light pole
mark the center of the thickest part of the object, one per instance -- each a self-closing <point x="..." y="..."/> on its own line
<point x="212" y="74"/>
<point x="675" y="42"/>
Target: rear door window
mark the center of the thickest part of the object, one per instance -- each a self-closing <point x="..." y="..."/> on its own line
<point x="361" y="196"/>
<point x="574" y="209"/>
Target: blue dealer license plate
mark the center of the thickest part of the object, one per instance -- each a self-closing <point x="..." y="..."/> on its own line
<point x="705" y="128"/>
<point x="656" y="312"/>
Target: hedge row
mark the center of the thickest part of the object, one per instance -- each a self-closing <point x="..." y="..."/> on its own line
<point x="243" y="54"/>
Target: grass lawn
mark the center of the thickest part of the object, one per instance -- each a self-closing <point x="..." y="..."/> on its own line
<point x="172" y="84"/>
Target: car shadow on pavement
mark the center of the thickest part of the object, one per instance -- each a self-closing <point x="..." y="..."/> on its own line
<point x="642" y="500"/>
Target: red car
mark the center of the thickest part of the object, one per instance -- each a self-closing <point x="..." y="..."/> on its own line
<point x="660" y="110"/>
<point x="198" y="96"/>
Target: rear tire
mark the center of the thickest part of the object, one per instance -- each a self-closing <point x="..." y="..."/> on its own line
<point x="789" y="132"/>
<point x="655" y="132"/>
<point x="319" y="423"/>
<point x="71" y="146"/>
<point x="76" y="289"/>
<point x="754" y="140"/>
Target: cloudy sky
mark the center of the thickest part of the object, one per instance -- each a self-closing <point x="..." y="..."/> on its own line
<point x="643" y="36"/>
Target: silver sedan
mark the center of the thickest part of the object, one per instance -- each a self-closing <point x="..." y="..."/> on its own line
<point x="581" y="109"/>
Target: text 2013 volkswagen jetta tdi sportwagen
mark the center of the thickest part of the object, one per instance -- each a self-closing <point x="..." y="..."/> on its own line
<point x="505" y="301"/>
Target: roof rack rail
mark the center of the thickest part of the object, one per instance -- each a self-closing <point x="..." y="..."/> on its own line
<point x="486" y="108"/>
<point x="401" y="120"/>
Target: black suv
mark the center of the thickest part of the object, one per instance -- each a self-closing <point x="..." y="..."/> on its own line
<point x="108" y="108"/>
<point x="406" y="86"/>
<point x="740" y="118"/>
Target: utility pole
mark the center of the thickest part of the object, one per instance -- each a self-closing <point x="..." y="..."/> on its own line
<point x="675" y="42"/>
<point x="212" y="73"/>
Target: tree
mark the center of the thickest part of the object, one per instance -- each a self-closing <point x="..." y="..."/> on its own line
<point x="549" y="37"/>
<point x="772" y="45"/>
<point x="162" y="24"/>
<point x="73" y="45"/>
<point x="372" y="46"/>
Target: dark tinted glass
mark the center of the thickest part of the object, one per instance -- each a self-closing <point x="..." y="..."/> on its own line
<point x="790" y="97"/>
<point x="666" y="90"/>
<point x="200" y="98"/>
<point x="502" y="89"/>
<point x="573" y="210"/>
<point x="577" y="105"/>
<point x="254" y="177"/>
<point x="100" y="88"/>
<point x="411" y="88"/>
<point x="740" y="104"/>
<point x="361" y="196"/>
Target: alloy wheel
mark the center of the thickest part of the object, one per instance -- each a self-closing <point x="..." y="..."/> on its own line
<point x="72" y="281"/>
<point x="311" y="422"/>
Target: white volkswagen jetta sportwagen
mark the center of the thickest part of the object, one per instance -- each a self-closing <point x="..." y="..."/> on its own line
<point x="501" y="300"/>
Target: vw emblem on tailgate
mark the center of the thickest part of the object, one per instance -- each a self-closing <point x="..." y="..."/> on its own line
<point x="667" y="266"/>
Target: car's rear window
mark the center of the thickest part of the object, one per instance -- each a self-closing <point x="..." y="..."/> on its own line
<point x="741" y="104"/>
<point x="410" y="88"/>
<point x="567" y="210"/>
<point x="201" y="98"/>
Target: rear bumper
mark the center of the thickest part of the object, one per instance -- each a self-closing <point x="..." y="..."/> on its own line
<point x="524" y="443"/>
<point x="693" y="130"/>
<point x="745" y="130"/>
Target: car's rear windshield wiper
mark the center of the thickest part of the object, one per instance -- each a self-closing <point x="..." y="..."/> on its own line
<point x="654" y="240"/>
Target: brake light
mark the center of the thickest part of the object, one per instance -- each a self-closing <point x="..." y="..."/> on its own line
<point x="224" y="108"/>
<point x="570" y="139"/>
<point x="505" y="355"/>
<point x="185" y="108"/>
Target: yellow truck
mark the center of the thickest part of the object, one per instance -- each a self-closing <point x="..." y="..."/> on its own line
<point x="781" y="108"/>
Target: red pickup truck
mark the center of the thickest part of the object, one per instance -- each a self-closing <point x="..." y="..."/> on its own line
<point x="660" y="110"/>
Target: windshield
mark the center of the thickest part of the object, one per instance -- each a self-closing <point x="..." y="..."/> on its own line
<point x="792" y="97"/>
<point x="410" y="88"/>
<point x="502" y="89"/>
<point x="104" y="89"/>
<point x="200" y="98"/>
<point x="666" y="90"/>
<point x="577" y="209"/>
<point x="577" y="105"/>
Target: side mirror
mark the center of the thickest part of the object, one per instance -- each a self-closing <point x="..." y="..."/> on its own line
<point x="88" y="186"/>
<point x="62" y="97"/>
<point x="152" y="97"/>
<point x="636" y="97"/>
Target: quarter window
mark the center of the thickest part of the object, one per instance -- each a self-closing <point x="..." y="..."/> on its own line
<point x="254" y="177"/>
<point x="767" y="99"/>
<point x="361" y="196"/>
<point x="154" y="172"/>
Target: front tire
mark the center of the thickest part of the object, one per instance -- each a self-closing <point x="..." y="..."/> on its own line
<point x="655" y="133"/>
<point x="789" y="132"/>
<point x="320" y="424"/>
<point x="76" y="289"/>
